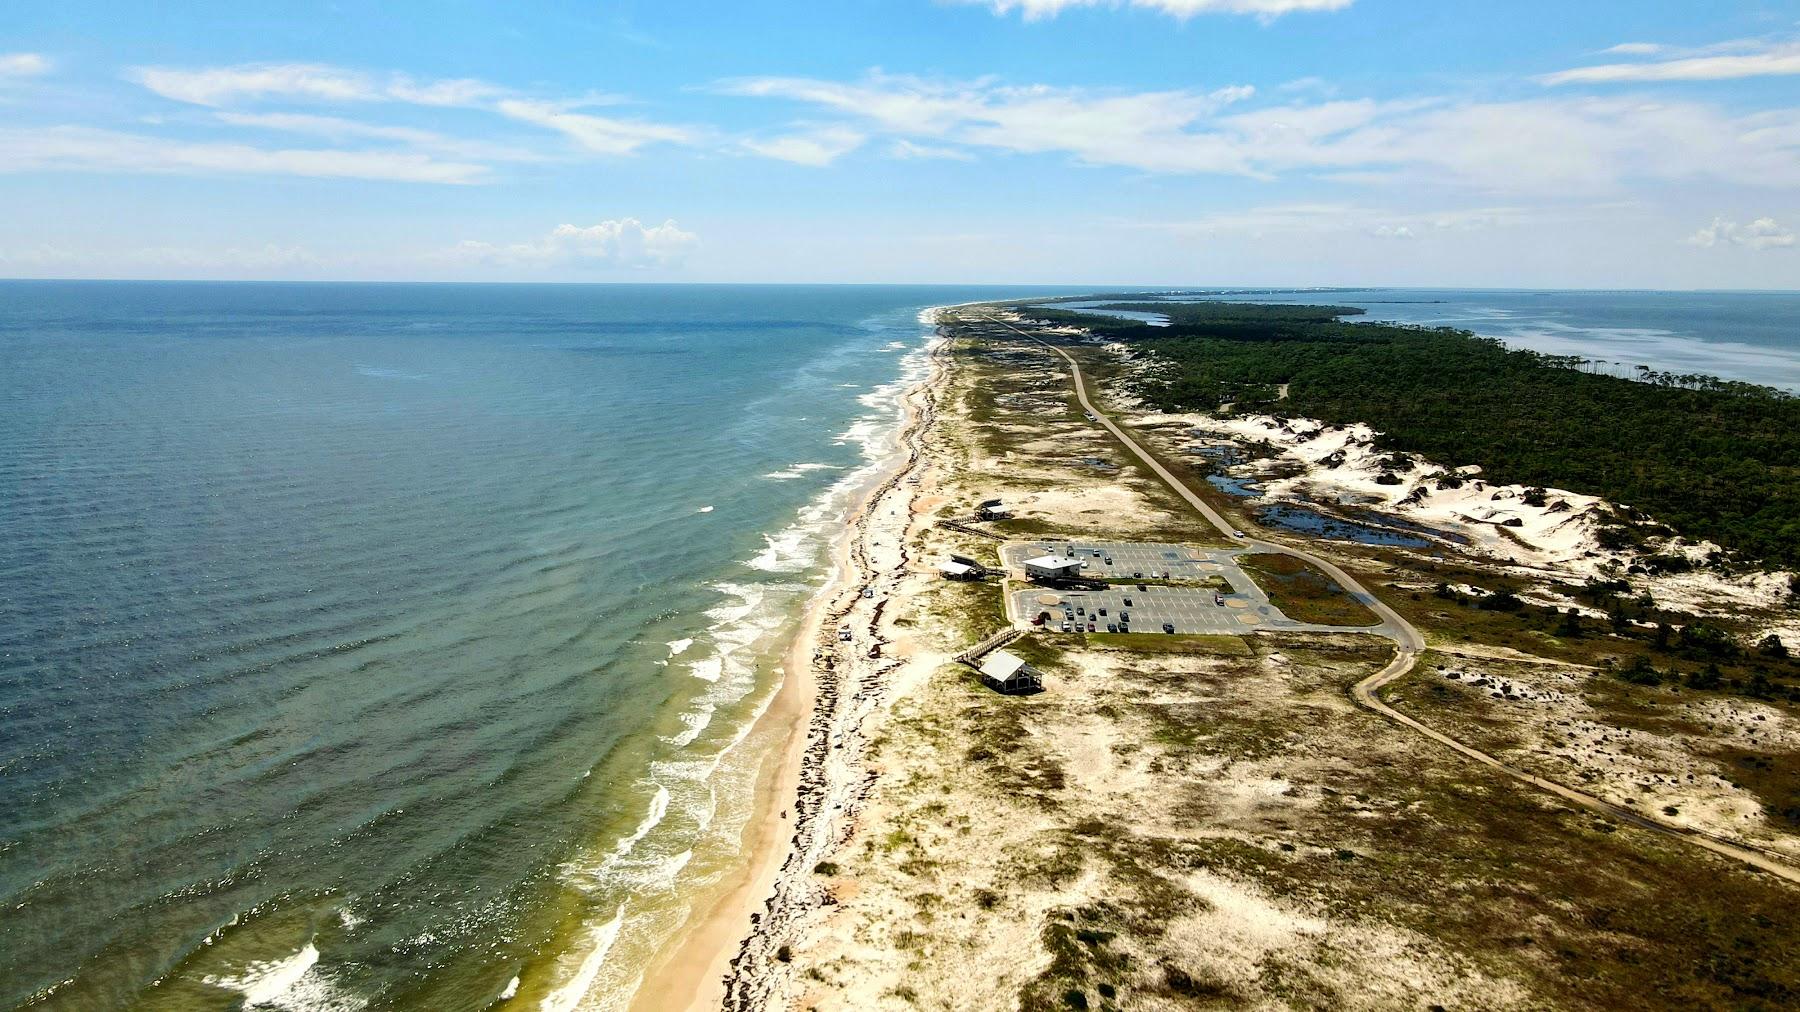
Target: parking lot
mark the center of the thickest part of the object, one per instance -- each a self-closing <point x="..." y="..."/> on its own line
<point x="1121" y="560"/>
<point x="1236" y="606"/>
<point x="1187" y="610"/>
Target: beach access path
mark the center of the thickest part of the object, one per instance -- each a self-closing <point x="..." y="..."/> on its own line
<point x="1409" y="644"/>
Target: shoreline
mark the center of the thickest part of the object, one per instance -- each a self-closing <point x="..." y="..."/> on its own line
<point x="720" y="958"/>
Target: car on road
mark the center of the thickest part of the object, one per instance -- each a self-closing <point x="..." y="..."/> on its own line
<point x="1237" y="534"/>
<point x="843" y="634"/>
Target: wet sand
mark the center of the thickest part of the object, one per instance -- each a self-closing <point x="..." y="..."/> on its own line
<point x="810" y="784"/>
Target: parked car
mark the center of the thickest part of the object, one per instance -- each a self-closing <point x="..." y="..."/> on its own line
<point x="1080" y="609"/>
<point x="1127" y="604"/>
<point x="1103" y="613"/>
<point x="1138" y="576"/>
<point x="1068" y="627"/>
<point x="1143" y="586"/>
<point x="1090" y="627"/>
<point x="843" y="634"/>
<point x="1124" y="616"/>
<point x="1168" y="627"/>
<point x="1219" y="599"/>
<point x="1124" y="628"/>
<point x="1112" y="627"/>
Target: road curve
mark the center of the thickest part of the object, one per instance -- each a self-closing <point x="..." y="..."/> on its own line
<point x="1408" y="645"/>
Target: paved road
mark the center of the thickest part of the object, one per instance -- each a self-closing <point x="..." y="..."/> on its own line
<point x="1408" y="645"/>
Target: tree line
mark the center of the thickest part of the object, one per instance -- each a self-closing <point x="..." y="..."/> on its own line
<point x="1708" y="458"/>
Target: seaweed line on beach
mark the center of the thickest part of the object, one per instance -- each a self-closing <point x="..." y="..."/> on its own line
<point x="851" y="681"/>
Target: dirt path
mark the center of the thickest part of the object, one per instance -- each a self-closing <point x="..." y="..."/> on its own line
<point x="1408" y="645"/>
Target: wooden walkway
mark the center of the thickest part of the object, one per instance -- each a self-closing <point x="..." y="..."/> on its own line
<point x="972" y="656"/>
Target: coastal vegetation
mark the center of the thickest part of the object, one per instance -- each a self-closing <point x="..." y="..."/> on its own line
<point x="1708" y="458"/>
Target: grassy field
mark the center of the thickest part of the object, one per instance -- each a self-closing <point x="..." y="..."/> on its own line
<point x="1304" y="593"/>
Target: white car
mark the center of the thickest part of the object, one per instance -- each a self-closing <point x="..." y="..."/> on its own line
<point x="1237" y="534"/>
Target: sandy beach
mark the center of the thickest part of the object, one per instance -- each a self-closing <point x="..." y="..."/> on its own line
<point x="812" y="784"/>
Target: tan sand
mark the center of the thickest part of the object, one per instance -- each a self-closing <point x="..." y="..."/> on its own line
<point x="707" y="963"/>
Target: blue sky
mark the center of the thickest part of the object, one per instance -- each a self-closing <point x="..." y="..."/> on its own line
<point x="1204" y="142"/>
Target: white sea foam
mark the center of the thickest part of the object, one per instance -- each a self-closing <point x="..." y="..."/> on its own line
<point x="659" y="807"/>
<point x="707" y="669"/>
<point x="704" y="509"/>
<point x="799" y="471"/>
<point x="511" y="988"/>
<point x="697" y="721"/>
<point x="599" y="941"/>
<point x="727" y="657"/>
<point x="290" y="983"/>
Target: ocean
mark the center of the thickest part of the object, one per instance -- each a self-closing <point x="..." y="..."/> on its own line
<point x="395" y="646"/>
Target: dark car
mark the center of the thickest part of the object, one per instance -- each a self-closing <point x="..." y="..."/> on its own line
<point x="1128" y="602"/>
<point x="1112" y="627"/>
<point x="1124" y="616"/>
<point x="1168" y="627"/>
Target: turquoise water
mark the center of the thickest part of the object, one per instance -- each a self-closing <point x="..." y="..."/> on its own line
<point x="388" y="645"/>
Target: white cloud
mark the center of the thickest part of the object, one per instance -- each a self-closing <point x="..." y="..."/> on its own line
<point x="459" y="92"/>
<point x="904" y="149"/>
<point x="1635" y="49"/>
<point x="1761" y="234"/>
<point x="1097" y="128"/>
<point x="23" y="64"/>
<point x="221" y="85"/>
<point x="339" y="129"/>
<point x="1331" y="219"/>
<point x="624" y="242"/>
<point x="1734" y="60"/>
<point x="813" y="147"/>
<point x="599" y="134"/>
<point x="1265" y="9"/>
<point x="217" y="86"/>
<point x="86" y="150"/>
<point x="1562" y="144"/>
<point x="270" y="257"/>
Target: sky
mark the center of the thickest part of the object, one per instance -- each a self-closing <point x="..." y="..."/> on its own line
<point x="1590" y="144"/>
